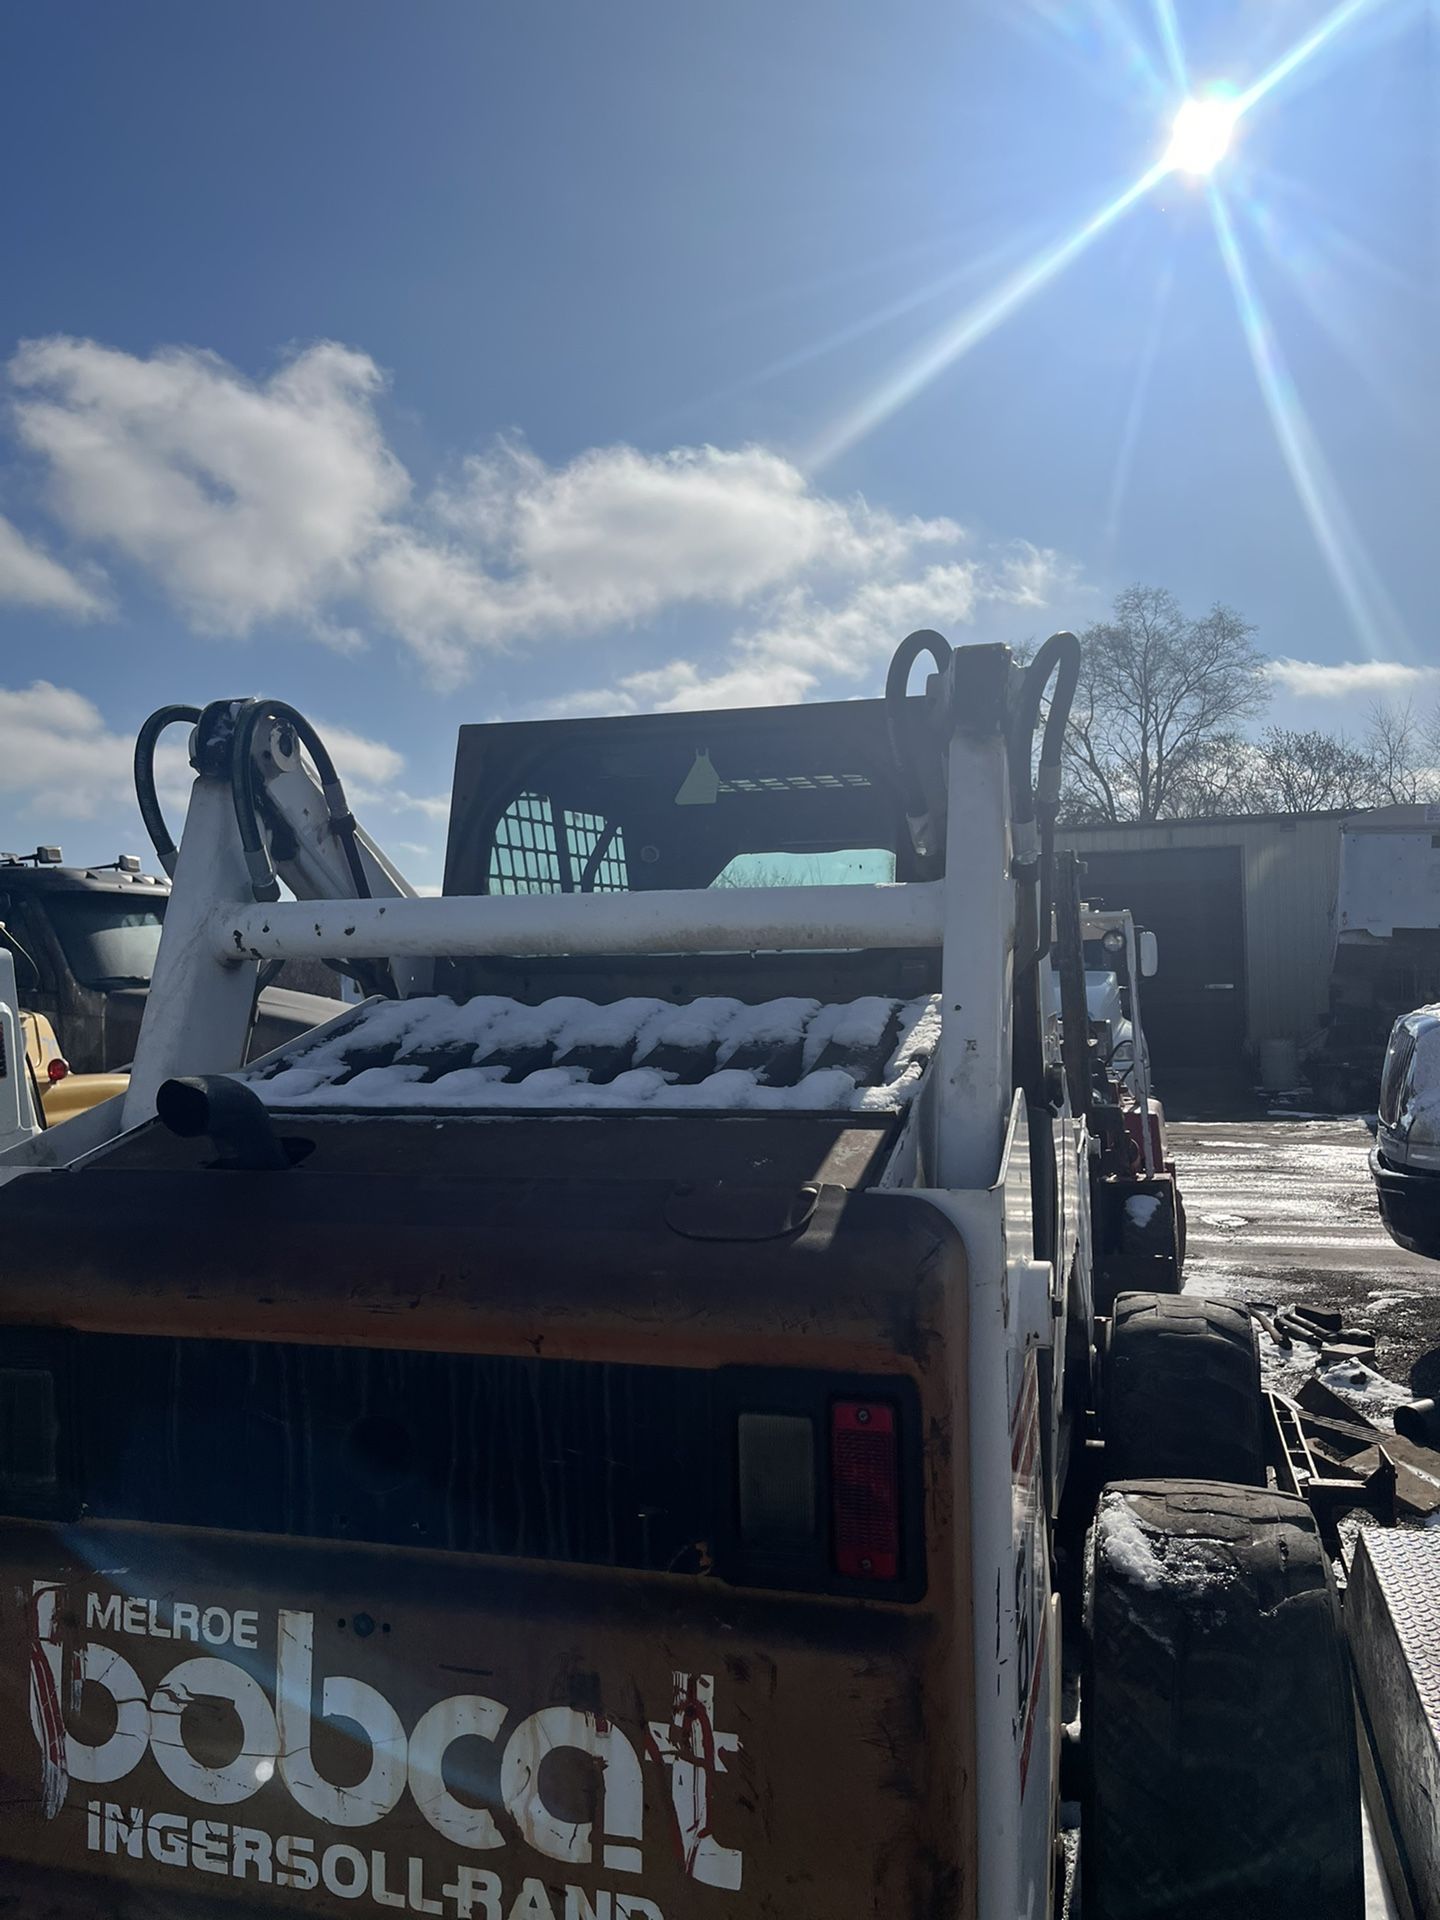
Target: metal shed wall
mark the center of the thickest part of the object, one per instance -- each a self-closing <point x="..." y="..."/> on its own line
<point x="1291" y="867"/>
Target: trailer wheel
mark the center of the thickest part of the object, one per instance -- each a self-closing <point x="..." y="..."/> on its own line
<point x="1180" y="1396"/>
<point x="1221" y="1773"/>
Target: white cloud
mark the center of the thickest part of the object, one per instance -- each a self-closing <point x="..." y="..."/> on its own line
<point x="434" y="806"/>
<point x="807" y="642"/>
<point x="245" y="500"/>
<point x="249" y="500"/>
<point x="1349" y="678"/>
<point x="625" y="532"/>
<point x="439" y="603"/>
<point x="370" y="770"/>
<point x="368" y="767"/>
<point x="57" y="752"/>
<point x="30" y="578"/>
<point x="61" y="760"/>
<point x="521" y="550"/>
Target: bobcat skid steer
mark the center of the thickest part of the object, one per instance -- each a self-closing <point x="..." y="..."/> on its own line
<point x="615" y="1426"/>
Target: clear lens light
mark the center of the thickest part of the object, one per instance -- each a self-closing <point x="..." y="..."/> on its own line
<point x="1201" y="134"/>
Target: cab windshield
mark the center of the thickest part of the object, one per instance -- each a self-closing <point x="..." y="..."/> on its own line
<point x="108" y="940"/>
<point x="855" y="867"/>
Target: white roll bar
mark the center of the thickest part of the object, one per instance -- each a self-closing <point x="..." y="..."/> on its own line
<point x="707" y="920"/>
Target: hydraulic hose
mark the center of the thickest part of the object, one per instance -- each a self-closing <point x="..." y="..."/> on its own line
<point x="42" y="1119"/>
<point x="146" y="797"/>
<point x="920" y="807"/>
<point x="1058" y="659"/>
<point x="247" y="805"/>
<point x="1033" y="795"/>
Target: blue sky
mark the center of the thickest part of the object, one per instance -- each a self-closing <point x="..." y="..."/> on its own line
<point x="440" y="362"/>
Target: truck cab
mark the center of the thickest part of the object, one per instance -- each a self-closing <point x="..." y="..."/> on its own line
<point x="84" y="942"/>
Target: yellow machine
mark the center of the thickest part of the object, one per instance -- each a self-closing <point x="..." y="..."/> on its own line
<point x="62" y="1094"/>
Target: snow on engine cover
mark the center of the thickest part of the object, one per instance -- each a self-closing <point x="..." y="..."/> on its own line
<point x="714" y="1053"/>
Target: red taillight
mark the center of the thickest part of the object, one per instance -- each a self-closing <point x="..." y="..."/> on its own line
<point x="58" y="1069"/>
<point x="865" y="1489"/>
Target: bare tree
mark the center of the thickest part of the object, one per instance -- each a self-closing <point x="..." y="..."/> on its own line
<point x="1159" y="705"/>
<point x="1307" y="772"/>
<point x="1219" y="780"/>
<point x="1404" y="754"/>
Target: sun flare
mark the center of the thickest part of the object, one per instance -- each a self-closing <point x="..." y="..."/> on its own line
<point x="1201" y="134"/>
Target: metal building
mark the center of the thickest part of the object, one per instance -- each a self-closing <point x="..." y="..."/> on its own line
<point x="1244" y="914"/>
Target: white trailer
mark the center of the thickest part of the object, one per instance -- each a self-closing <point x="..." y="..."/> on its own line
<point x="1386" y="955"/>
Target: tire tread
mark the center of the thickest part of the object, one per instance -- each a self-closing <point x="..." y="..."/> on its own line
<point x="1222" y="1776"/>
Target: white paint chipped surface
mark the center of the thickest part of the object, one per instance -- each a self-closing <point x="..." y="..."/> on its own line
<point x="793" y="1054"/>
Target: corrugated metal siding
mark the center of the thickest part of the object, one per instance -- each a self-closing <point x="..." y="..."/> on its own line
<point x="1291" y="871"/>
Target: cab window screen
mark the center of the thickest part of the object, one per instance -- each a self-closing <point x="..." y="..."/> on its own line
<point x="540" y="847"/>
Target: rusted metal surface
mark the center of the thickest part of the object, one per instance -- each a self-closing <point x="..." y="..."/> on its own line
<point x="329" y="1732"/>
<point x="578" y="1269"/>
<point x="1299" y="1470"/>
<point x="391" y="1728"/>
<point x="771" y="1149"/>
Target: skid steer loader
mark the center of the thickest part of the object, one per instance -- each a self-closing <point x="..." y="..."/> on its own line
<point x="616" y="1426"/>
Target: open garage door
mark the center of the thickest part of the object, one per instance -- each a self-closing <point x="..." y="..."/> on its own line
<point x="1193" y="900"/>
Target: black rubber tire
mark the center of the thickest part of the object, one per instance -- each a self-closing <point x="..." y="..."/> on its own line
<point x="1221" y="1767"/>
<point x="1180" y="1392"/>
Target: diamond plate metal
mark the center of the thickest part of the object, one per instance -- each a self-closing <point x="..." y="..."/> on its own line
<point x="1392" y="1615"/>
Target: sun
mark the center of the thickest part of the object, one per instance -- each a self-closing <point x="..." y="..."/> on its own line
<point x="1201" y="134"/>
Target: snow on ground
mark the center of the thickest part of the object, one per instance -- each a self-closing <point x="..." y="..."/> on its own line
<point x="1285" y="1369"/>
<point x="866" y="1055"/>
<point x="1283" y="1213"/>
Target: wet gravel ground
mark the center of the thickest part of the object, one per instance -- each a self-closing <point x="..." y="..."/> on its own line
<point x="1284" y="1211"/>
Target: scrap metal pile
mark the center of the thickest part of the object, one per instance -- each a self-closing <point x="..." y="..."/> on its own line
<point x="1330" y="1442"/>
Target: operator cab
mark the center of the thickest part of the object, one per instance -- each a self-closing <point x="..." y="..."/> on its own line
<point x="799" y="796"/>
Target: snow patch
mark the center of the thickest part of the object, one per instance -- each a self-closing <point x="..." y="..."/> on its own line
<point x="496" y="1053"/>
<point x="1153" y="1561"/>
<point x="380" y="1086"/>
<point x="693" y="1027"/>
<point x="1141" y="1209"/>
<point x="1362" y="1386"/>
<point x="1393" y="1302"/>
<point x="774" y="1023"/>
<point x="855" y="1026"/>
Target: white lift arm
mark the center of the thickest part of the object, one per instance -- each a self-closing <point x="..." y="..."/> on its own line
<point x="197" y="1015"/>
<point x="216" y="932"/>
